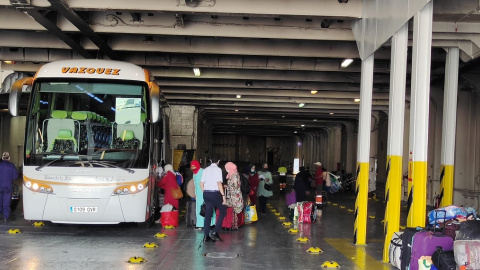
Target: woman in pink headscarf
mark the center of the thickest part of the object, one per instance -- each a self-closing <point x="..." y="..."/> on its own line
<point x="234" y="192"/>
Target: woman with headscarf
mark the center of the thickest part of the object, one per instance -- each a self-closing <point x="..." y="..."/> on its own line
<point x="197" y="176"/>
<point x="253" y="181"/>
<point x="168" y="183"/>
<point x="234" y="195"/>
<point x="234" y="192"/>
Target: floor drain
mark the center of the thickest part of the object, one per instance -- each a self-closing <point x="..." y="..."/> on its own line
<point x="221" y="255"/>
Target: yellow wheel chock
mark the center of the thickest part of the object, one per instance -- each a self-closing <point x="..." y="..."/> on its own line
<point x="314" y="250"/>
<point x="403" y="227"/>
<point x="277" y="214"/>
<point x="160" y="235"/>
<point x="169" y="227"/>
<point x="14" y="231"/>
<point x="335" y="204"/>
<point x="342" y="206"/>
<point x="302" y="239"/>
<point x="383" y="221"/>
<point x="371" y="216"/>
<point x="350" y="210"/>
<point x="38" y="224"/>
<point x="136" y="260"/>
<point x="281" y="218"/>
<point x="330" y="264"/>
<point x="293" y="231"/>
<point x="287" y="224"/>
<point x="150" y="245"/>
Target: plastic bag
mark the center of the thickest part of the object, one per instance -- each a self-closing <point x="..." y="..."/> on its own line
<point x="167" y="208"/>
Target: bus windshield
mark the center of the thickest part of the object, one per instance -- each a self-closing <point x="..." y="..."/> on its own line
<point x="87" y="123"/>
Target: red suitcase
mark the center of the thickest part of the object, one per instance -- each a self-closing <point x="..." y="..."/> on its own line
<point x="231" y="221"/>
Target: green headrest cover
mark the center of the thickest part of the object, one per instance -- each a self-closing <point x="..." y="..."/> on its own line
<point x="127" y="135"/>
<point x="64" y="134"/>
<point x="79" y="115"/>
<point x="59" y="114"/>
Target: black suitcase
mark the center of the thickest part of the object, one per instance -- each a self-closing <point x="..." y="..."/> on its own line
<point x="190" y="216"/>
<point x="469" y="230"/>
<point x="407" y="247"/>
<point x="444" y="260"/>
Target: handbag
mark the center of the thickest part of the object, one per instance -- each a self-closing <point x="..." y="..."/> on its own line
<point x="250" y="214"/>
<point x="202" y="210"/>
<point x="177" y="193"/>
<point x="267" y="186"/>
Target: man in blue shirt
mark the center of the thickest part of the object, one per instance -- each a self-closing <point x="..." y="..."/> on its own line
<point x="214" y="196"/>
<point x="8" y="173"/>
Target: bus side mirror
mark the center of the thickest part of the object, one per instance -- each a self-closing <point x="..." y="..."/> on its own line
<point x="16" y="93"/>
<point x="154" y="102"/>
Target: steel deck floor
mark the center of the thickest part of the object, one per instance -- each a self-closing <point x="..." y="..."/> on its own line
<point x="265" y="244"/>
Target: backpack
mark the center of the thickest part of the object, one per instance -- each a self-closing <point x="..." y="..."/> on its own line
<point x="179" y="178"/>
<point x="245" y="185"/>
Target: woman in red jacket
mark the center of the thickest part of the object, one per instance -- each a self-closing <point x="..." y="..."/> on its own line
<point x="169" y="182"/>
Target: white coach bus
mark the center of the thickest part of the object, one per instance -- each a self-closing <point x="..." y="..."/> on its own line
<point x="92" y="142"/>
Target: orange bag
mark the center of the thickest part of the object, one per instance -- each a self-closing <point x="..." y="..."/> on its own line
<point x="177" y="193"/>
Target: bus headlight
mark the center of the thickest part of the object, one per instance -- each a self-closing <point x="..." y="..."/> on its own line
<point x="130" y="189"/>
<point x="38" y="187"/>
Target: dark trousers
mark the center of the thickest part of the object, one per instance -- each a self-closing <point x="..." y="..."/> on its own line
<point x="262" y="204"/>
<point x="213" y="199"/>
<point x="5" y="198"/>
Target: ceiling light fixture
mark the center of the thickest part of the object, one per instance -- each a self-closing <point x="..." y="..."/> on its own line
<point x="301" y="105"/>
<point x="313" y="92"/>
<point x="302" y="125"/>
<point x="332" y="113"/>
<point x="9" y="62"/>
<point x="239" y="96"/>
<point x="196" y="71"/>
<point x="346" y="62"/>
<point x="236" y="110"/>
<point x="295" y="131"/>
<point x="314" y="120"/>
<point x="357" y="100"/>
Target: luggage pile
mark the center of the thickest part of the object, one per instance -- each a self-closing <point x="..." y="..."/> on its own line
<point x="335" y="183"/>
<point x="303" y="212"/>
<point x="451" y="241"/>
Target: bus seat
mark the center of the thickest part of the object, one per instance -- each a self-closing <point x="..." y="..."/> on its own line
<point x="137" y="130"/>
<point x="64" y="141"/>
<point x="126" y="140"/>
<point x="54" y="124"/>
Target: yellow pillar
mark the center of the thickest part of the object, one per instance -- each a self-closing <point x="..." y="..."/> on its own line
<point x="393" y="196"/>
<point x="446" y="185"/>
<point x="396" y="113"/>
<point x="361" y="191"/>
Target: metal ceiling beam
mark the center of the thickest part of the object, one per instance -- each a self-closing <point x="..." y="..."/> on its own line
<point x="84" y="28"/>
<point x="274" y="75"/>
<point x="308" y="8"/>
<point x="52" y="28"/>
<point x="189" y="91"/>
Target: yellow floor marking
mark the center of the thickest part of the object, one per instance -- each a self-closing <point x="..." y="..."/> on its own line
<point x="356" y="254"/>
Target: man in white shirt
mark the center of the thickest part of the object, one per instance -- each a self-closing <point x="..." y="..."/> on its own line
<point x="214" y="196"/>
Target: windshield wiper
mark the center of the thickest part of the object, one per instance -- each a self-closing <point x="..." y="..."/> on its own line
<point x="109" y="165"/>
<point x="61" y="158"/>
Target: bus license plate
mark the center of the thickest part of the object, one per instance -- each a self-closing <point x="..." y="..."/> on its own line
<point x="83" y="209"/>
